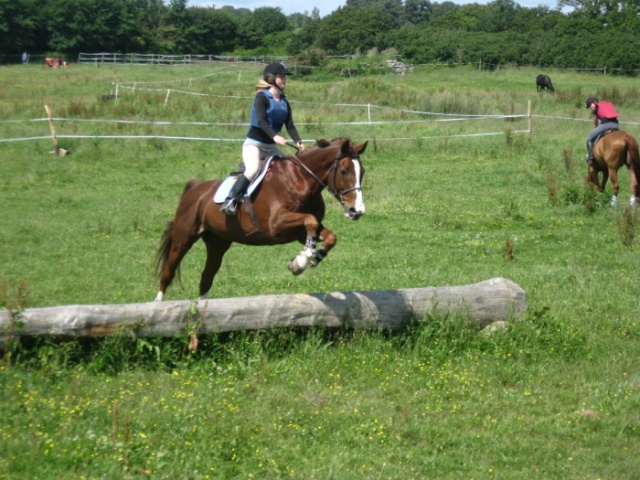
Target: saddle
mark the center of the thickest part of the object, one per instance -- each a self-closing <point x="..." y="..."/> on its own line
<point x="606" y="132"/>
<point x="223" y="190"/>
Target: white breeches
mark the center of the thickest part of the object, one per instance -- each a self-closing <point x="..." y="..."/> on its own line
<point x="253" y="153"/>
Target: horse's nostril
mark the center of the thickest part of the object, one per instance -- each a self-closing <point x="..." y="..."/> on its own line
<point x="353" y="214"/>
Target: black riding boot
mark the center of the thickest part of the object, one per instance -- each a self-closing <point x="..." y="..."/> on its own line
<point x="230" y="205"/>
<point x="589" y="158"/>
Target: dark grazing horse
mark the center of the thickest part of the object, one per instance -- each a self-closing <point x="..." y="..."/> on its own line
<point x="543" y="82"/>
<point x="286" y="207"/>
<point x="611" y="152"/>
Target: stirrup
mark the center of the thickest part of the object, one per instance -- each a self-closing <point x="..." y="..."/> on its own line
<point x="229" y="207"/>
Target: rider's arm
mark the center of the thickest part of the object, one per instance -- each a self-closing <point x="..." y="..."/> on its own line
<point x="291" y="128"/>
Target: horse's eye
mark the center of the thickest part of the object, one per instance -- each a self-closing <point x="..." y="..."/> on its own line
<point x="344" y="172"/>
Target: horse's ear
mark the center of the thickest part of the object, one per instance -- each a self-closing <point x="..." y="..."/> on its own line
<point x="345" y="147"/>
<point x="361" y="148"/>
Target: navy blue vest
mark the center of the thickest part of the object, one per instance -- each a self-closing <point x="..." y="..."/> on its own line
<point x="277" y="112"/>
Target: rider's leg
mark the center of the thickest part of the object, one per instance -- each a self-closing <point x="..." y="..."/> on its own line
<point x="230" y="205"/>
<point x="252" y="154"/>
<point x="589" y="158"/>
<point x="251" y="159"/>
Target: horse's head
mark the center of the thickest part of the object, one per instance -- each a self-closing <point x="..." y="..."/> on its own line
<point x="345" y="180"/>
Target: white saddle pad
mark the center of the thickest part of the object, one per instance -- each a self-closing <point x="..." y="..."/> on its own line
<point x="225" y="187"/>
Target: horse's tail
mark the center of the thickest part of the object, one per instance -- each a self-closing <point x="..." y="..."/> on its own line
<point x="165" y="247"/>
<point x="633" y="155"/>
<point x="190" y="184"/>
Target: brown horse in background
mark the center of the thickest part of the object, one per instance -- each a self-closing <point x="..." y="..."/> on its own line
<point x="286" y="207"/>
<point x="611" y="152"/>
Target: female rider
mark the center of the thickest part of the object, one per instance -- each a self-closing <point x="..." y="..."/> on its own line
<point x="606" y="113"/>
<point x="269" y="113"/>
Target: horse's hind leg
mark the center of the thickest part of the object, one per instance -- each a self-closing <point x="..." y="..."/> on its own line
<point x="593" y="177"/>
<point x="635" y="190"/>
<point x="615" y="185"/>
<point x="178" y="248"/>
<point x="216" y="248"/>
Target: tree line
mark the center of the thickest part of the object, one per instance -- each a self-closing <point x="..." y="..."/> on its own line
<point x="588" y="33"/>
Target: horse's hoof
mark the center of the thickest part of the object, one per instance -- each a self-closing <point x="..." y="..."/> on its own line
<point x="295" y="267"/>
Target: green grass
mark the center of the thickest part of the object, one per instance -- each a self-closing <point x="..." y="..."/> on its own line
<point x="555" y="396"/>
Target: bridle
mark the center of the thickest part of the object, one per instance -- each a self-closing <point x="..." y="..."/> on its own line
<point x="334" y="168"/>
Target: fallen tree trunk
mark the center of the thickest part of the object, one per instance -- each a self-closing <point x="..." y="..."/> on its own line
<point x="489" y="301"/>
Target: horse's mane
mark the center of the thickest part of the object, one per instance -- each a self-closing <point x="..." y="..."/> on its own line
<point x="321" y="144"/>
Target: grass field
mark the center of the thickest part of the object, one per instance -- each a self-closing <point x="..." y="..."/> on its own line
<point x="455" y="194"/>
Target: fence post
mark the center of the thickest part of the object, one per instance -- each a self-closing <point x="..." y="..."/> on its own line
<point x="166" y="100"/>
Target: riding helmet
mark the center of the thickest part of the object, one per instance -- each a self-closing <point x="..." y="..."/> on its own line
<point x="591" y="100"/>
<point x="273" y="69"/>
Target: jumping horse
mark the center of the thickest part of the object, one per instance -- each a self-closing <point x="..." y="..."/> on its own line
<point x="287" y="206"/>
<point x="611" y="152"/>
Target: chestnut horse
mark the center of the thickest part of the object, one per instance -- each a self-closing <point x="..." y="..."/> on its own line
<point x="286" y="207"/>
<point x="611" y="152"/>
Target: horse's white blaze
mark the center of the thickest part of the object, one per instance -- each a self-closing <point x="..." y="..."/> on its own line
<point x="359" y="198"/>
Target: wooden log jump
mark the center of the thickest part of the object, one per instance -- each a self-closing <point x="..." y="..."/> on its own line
<point x="497" y="299"/>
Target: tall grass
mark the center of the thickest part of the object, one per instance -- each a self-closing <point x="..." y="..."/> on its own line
<point x="554" y="395"/>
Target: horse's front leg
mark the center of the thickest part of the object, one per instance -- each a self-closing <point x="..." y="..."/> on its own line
<point x="300" y="262"/>
<point x="329" y="240"/>
<point x="310" y="256"/>
<point x="304" y="259"/>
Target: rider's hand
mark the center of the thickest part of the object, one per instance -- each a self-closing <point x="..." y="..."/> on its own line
<point x="280" y="140"/>
<point x="300" y="146"/>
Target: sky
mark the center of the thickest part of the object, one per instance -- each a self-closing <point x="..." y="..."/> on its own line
<point x="327" y="6"/>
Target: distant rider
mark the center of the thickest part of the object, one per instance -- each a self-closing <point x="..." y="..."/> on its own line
<point x="606" y="114"/>
<point x="269" y="113"/>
